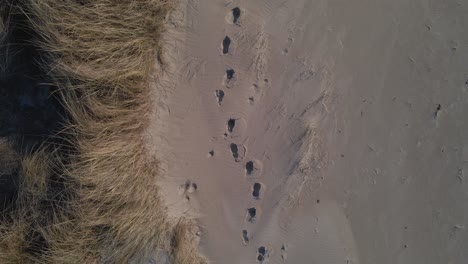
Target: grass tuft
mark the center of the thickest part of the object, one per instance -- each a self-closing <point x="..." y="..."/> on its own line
<point x="91" y="197"/>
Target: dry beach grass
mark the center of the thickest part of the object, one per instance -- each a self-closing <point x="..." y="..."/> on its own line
<point x="91" y="196"/>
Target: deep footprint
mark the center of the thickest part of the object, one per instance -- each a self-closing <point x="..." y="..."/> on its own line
<point x="245" y="236"/>
<point x="261" y="252"/>
<point x="220" y="95"/>
<point x="252" y="213"/>
<point x="234" y="150"/>
<point x="226" y="44"/>
<point x="249" y="167"/>
<point x="229" y="74"/>
<point x="256" y="190"/>
<point x="236" y="14"/>
<point x="230" y="125"/>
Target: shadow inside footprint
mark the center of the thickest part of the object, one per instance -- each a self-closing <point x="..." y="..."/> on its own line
<point x="190" y="186"/>
<point x="236" y="14"/>
<point x="229" y="74"/>
<point x="245" y="236"/>
<point x="439" y="107"/>
<point x="230" y="125"/>
<point x="220" y="95"/>
<point x="256" y="190"/>
<point x="252" y="213"/>
<point x="234" y="150"/>
<point x="261" y="252"/>
<point x="249" y="167"/>
<point x="226" y="44"/>
<point x="284" y="249"/>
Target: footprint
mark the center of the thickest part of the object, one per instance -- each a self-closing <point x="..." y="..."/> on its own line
<point x="251" y="214"/>
<point x="249" y="167"/>
<point x="256" y="87"/>
<point x="262" y="253"/>
<point x="219" y="95"/>
<point x="230" y="78"/>
<point x="229" y="74"/>
<point x="226" y="44"/>
<point x="436" y="113"/>
<point x="188" y="187"/>
<point x="230" y="125"/>
<point x="238" y="152"/>
<point x="256" y="190"/>
<point x="234" y="150"/>
<point x="211" y="153"/>
<point x="245" y="237"/>
<point x="284" y="249"/>
<point x="236" y="12"/>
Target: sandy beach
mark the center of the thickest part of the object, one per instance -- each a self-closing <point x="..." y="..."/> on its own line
<point x="325" y="131"/>
<point x="234" y="132"/>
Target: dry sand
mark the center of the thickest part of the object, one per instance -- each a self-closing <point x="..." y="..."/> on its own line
<point x="352" y="113"/>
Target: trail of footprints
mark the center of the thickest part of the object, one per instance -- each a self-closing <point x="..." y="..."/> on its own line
<point x="238" y="151"/>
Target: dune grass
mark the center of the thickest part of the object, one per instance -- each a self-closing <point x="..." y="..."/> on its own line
<point x="91" y="197"/>
<point x="17" y="230"/>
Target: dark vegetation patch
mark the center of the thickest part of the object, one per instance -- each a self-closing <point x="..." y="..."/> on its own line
<point x="31" y="116"/>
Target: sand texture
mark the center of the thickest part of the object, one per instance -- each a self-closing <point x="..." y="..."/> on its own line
<point x="324" y="131"/>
